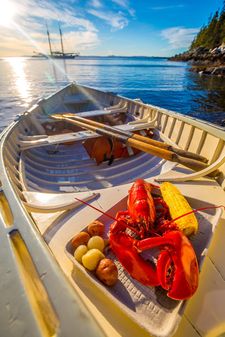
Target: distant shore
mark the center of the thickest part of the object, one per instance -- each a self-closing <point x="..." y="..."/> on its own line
<point x="204" y="61"/>
<point x="93" y="56"/>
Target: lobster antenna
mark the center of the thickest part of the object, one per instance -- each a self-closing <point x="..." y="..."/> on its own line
<point x="111" y="217"/>
<point x="86" y="203"/>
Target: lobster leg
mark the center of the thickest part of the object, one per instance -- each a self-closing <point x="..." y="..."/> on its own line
<point x="122" y="214"/>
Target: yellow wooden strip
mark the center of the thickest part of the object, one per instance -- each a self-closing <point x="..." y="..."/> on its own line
<point x="34" y="287"/>
<point x="5" y="210"/>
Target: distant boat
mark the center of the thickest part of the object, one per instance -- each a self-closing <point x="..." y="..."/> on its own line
<point x="39" y="55"/>
<point x="59" y="54"/>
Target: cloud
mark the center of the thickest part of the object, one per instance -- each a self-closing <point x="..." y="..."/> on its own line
<point x="125" y="5"/>
<point x="27" y="44"/>
<point x="29" y="31"/>
<point x="19" y="46"/>
<point x="179" y="37"/>
<point x="45" y="10"/>
<point x="115" y="20"/>
<point x="80" y="32"/>
<point x="95" y="3"/>
<point x="122" y="3"/>
<point x="159" y="8"/>
<point x="80" y="41"/>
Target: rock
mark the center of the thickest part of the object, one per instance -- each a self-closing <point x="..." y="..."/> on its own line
<point x="219" y="71"/>
<point x="205" y="61"/>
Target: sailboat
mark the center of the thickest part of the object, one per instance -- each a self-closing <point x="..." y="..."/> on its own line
<point x="59" y="54"/>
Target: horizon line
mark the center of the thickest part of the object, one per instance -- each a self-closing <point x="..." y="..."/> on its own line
<point x="112" y="56"/>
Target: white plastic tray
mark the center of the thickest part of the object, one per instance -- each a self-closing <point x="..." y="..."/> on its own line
<point x="149" y="307"/>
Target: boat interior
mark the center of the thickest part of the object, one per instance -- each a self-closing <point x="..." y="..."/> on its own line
<point x="48" y="163"/>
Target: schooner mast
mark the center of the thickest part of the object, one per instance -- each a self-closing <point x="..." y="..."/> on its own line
<point x="61" y="40"/>
<point x="49" y="40"/>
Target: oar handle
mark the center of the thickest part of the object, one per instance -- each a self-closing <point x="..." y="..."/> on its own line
<point x="188" y="154"/>
<point x="193" y="164"/>
<point x="169" y="155"/>
<point x="183" y="153"/>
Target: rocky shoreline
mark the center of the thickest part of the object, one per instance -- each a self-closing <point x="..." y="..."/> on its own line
<point x="204" y="61"/>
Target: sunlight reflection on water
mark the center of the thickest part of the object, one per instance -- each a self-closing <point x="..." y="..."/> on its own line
<point x="21" y="85"/>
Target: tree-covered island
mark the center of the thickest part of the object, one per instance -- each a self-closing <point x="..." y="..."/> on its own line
<point x="207" y="51"/>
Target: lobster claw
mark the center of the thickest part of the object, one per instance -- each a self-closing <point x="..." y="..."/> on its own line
<point x="177" y="266"/>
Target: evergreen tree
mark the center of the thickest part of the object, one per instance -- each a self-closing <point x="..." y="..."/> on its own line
<point x="213" y="34"/>
<point x="222" y="25"/>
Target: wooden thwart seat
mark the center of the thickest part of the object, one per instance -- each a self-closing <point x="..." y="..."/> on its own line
<point x="121" y="107"/>
<point x="36" y="141"/>
<point x="114" y="109"/>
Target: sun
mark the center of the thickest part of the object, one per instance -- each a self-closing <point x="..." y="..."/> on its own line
<point x="7" y="12"/>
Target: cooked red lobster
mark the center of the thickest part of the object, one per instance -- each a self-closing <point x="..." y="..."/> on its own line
<point x="147" y="225"/>
<point x="177" y="267"/>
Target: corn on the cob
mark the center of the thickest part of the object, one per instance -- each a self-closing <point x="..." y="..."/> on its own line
<point x="178" y="206"/>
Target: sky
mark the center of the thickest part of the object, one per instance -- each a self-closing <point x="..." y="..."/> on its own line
<point x="103" y="27"/>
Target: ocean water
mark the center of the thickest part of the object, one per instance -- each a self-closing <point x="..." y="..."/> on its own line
<point x="154" y="80"/>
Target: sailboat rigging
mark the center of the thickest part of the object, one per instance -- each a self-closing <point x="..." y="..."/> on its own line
<point x="59" y="54"/>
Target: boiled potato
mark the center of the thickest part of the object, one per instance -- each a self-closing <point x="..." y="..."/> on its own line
<point x="80" y="239"/>
<point x="79" y="252"/>
<point x="91" y="259"/>
<point x="96" y="242"/>
<point x="96" y="228"/>
<point x="107" y="272"/>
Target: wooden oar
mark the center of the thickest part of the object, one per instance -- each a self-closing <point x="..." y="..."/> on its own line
<point x="153" y="150"/>
<point x="147" y="140"/>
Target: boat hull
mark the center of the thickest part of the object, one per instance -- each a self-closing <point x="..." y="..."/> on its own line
<point x="37" y="180"/>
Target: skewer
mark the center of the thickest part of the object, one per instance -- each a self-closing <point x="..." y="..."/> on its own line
<point x="147" y="140"/>
<point x="140" y="145"/>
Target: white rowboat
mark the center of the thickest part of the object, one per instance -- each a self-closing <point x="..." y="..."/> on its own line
<point x="44" y="166"/>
